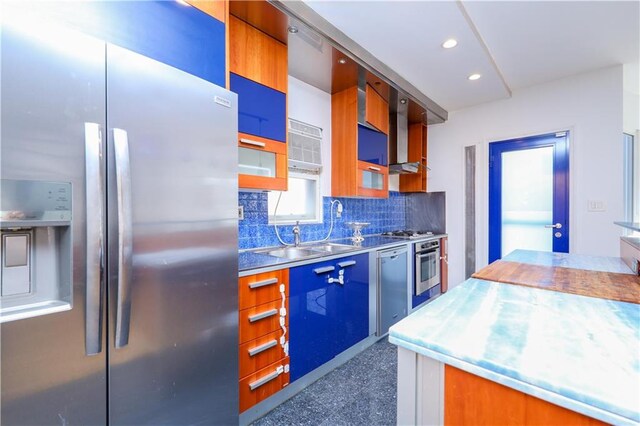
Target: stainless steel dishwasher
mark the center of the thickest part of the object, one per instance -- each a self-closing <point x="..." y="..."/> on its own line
<point x="392" y="287"/>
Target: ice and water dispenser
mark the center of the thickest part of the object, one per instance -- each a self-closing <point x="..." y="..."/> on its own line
<point x="35" y="248"/>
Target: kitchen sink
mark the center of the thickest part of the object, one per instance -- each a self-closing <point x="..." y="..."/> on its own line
<point x="307" y="250"/>
<point x="290" y="252"/>
<point x="331" y="248"/>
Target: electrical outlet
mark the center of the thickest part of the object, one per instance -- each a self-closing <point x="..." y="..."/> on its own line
<point x="240" y="213"/>
<point x="596" y="206"/>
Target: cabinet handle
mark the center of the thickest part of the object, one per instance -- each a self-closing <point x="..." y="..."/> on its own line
<point x="262" y="315"/>
<point x="346" y="263"/>
<point x="257" y="284"/>
<point x="324" y="269"/>
<point x="266" y="379"/>
<point x="262" y="348"/>
<point x="377" y="169"/>
<point x="251" y="142"/>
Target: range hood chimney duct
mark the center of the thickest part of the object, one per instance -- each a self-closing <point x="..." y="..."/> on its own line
<point x="399" y="136"/>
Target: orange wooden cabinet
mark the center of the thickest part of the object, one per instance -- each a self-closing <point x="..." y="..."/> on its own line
<point x="373" y="180"/>
<point x="266" y="153"/>
<point x="472" y="400"/>
<point x="263" y="383"/>
<point x="260" y="352"/>
<point x="259" y="75"/>
<point x="351" y="177"/>
<point x="260" y="320"/>
<point x="444" y="264"/>
<point x="376" y="110"/>
<point x="262" y="288"/>
<point x="257" y="56"/>
<point x="216" y="8"/>
<point x="263" y="361"/>
<point x="417" y="152"/>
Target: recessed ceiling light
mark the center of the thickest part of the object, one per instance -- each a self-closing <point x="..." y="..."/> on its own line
<point x="403" y="101"/>
<point x="473" y="77"/>
<point x="448" y="44"/>
<point x="293" y="29"/>
<point x="342" y="61"/>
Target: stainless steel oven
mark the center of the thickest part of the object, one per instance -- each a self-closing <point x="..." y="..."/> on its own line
<point x="427" y="266"/>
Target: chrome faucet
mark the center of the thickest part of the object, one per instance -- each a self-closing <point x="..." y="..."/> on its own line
<point x="296" y="234"/>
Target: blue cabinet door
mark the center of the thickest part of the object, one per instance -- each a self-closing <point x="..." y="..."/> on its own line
<point x="352" y="303"/>
<point x="372" y="146"/>
<point x="262" y="111"/>
<point x="326" y="319"/>
<point x="167" y="31"/>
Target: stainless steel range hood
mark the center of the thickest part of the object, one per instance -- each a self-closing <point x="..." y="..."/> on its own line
<point x="399" y="107"/>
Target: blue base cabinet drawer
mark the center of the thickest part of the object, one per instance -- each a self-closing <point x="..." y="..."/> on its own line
<point x="325" y="318"/>
<point x="262" y="111"/>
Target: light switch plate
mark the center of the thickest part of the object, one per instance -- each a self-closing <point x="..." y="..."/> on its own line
<point x="596" y="206"/>
<point x="240" y="213"/>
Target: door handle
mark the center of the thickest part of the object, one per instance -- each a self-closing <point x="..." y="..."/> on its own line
<point x="261" y="348"/>
<point x="258" y="284"/>
<point x="125" y="266"/>
<point x="94" y="196"/>
<point x="266" y="379"/>
<point x="252" y="142"/>
<point x="262" y="315"/>
<point x="376" y="169"/>
<point x="556" y="226"/>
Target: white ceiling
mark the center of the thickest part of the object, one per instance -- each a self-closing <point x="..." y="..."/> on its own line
<point x="512" y="44"/>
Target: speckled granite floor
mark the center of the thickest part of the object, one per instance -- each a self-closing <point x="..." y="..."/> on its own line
<point x="360" y="392"/>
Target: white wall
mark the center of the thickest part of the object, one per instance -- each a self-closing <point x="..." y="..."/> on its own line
<point x="589" y="106"/>
<point x="313" y="106"/>
<point x="631" y="98"/>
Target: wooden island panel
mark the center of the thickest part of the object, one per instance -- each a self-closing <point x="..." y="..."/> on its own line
<point x="473" y="400"/>
<point x="603" y="285"/>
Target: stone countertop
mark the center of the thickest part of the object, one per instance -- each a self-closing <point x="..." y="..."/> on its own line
<point x="634" y="241"/>
<point x="249" y="260"/>
<point x="565" y="260"/>
<point x="635" y="226"/>
<point x="577" y="352"/>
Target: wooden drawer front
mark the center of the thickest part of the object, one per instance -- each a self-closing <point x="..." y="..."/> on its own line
<point x="262" y="288"/>
<point x="263" y="383"/>
<point x="261" y="352"/>
<point x="260" y="320"/>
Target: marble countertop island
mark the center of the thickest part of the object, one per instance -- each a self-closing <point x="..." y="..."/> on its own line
<point x="577" y="352"/>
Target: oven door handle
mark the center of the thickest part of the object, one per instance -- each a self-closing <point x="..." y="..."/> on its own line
<point x="422" y="255"/>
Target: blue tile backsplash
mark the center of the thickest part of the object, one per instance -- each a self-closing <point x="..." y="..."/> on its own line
<point x="383" y="214"/>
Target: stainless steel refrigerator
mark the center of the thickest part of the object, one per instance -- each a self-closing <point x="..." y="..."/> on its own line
<point x="124" y="311"/>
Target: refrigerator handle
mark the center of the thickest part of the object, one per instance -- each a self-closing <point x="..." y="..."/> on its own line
<point x="94" y="196"/>
<point x="123" y="189"/>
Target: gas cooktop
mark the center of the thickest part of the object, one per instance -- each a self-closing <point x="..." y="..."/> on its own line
<point x="407" y="234"/>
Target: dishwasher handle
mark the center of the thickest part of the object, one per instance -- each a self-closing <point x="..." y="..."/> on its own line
<point x="392" y="254"/>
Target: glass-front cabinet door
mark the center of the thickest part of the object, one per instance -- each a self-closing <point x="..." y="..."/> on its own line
<point x="372" y="180"/>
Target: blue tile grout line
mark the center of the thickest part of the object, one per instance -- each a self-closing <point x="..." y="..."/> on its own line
<point x="383" y="214"/>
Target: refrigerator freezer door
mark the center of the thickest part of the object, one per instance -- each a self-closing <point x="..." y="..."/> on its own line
<point x="180" y="363"/>
<point x="52" y="84"/>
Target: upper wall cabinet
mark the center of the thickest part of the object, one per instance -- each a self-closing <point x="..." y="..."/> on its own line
<point x="180" y="36"/>
<point x="215" y="8"/>
<point x="417" y="153"/>
<point x="258" y="74"/>
<point x="376" y="110"/>
<point x="359" y="153"/>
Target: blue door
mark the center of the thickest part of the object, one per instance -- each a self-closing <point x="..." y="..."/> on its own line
<point x="325" y="318"/>
<point x="372" y="146"/>
<point x="529" y="195"/>
<point x="262" y="111"/>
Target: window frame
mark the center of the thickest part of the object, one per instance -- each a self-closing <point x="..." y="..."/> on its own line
<point x="318" y="219"/>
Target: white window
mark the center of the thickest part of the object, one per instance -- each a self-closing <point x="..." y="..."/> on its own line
<point x="302" y="202"/>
